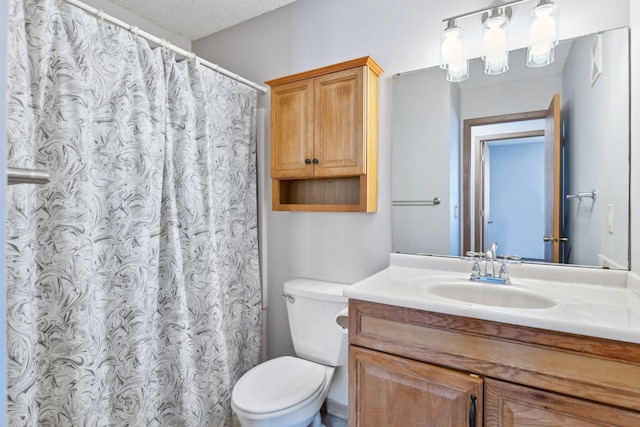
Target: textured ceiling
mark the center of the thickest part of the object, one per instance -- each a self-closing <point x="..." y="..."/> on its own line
<point x="195" y="19"/>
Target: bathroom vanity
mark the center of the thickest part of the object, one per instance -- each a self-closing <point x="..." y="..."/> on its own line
<point x="417" y="358"/>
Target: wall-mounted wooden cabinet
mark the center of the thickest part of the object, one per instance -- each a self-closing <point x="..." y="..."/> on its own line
<point x="324" y="138"/>
<point x="407" y="367"/>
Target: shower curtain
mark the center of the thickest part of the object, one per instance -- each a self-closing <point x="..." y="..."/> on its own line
<point x="133" y="295"/>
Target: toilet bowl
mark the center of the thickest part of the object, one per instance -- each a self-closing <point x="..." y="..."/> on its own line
<point x="289" y="391"/>
<point x="286" y="391"/>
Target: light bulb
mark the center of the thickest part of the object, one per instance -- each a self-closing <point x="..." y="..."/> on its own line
<point x="458" y="71"/>
<point x="451" y="47"/>
<point x="494" y="42"/>
<point x="543" y="36"/>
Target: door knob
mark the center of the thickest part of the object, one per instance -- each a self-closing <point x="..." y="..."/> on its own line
<point x="552" y="239"/>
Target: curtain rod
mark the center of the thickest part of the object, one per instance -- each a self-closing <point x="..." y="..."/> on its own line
<point x="26" y="176"/>
<point x="164" y="43"/>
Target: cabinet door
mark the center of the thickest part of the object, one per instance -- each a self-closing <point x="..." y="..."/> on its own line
<point x="292" y="130"/>
<point x="514" y="405"/>
<point x="339" y="143"/>
<point x="386" y="390"/>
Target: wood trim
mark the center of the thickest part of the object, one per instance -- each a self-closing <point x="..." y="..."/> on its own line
<point x="359" y="62"/>
<point x="318" y="208"/>
<point x="596" y="369"/>
<point x="553" y="181"/>
<point x="467" y="178"/>
<point x="369" y="184"/>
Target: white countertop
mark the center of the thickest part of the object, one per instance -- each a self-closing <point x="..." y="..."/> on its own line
<point x="591" y="302"/>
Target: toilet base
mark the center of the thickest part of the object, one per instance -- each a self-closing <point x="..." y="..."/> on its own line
<point x="317" y="421"/>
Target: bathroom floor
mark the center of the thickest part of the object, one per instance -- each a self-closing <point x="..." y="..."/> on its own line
<point x="329" y="420"/>
<point x="332" y="421"/>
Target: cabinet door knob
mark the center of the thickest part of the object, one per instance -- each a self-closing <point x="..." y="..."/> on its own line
<point x="307" y="161"/>
<point x="315" y="161"/>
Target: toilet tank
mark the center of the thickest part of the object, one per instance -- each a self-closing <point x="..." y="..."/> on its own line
<point x="312" y="307"/>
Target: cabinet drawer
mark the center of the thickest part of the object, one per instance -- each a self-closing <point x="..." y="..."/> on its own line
<point x="508" y="405"/>
<point x="595" y="369"/>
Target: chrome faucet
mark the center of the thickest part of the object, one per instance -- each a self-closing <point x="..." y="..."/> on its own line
<point x="490" y="257"/>
<point x="488" y="264"/>
<point x="494" y="250"/>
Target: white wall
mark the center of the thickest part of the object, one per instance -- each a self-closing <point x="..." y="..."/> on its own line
<point x="400" y="37"/>
<point x="635" y="144"/>
<point x="455" y="207"/>
<point x="517" y="96"/>
<point x="421" y="158"/>
<point x="593" y="149"/>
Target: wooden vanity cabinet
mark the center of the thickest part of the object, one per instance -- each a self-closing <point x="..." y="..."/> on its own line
<point x="404" y="364"/>
<point x="324" y="127"/>
<point x="394" y="391"/>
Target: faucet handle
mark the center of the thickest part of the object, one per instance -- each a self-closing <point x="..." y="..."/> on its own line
<point x="507" y="259"/>
<point x="475" y="270"/>
<point x="511" y="259"/>
<point x="503" y="274"/>
<point x="475" y="255"/>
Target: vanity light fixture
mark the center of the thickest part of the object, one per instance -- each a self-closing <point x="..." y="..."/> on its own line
<point x="543" y="38"/>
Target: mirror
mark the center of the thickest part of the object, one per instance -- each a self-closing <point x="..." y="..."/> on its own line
<point x="469" y="164"/>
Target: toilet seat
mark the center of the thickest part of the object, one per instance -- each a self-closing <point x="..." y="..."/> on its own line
<point x="278" y="384"/>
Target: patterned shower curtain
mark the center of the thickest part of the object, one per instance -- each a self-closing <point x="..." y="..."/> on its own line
<point x="133" y="293"/>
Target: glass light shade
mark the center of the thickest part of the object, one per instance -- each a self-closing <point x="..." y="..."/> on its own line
<point x="494" y="44"/>
<point x="452" y="54"/>
<point x="543" y="34"/>
<point x="458" y="71"/>
<point x="451" y="49"/>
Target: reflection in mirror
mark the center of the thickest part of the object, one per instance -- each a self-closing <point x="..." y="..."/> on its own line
<point x="484" y="148"/>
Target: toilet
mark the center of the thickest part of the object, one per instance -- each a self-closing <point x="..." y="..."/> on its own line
<point x="289" y="391"/>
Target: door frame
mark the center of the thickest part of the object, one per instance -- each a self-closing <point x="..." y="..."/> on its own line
<point x="471" y="150"/>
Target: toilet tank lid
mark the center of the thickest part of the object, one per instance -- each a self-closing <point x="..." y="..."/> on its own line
<point x="316" y="289"/>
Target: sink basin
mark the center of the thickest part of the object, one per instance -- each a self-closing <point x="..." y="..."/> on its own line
<point x="510" y="296"/>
